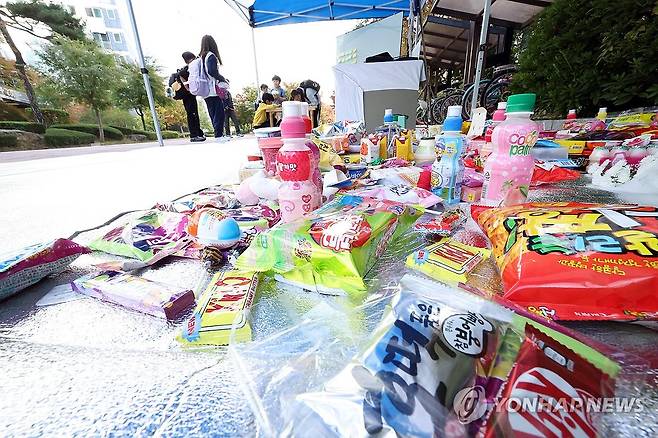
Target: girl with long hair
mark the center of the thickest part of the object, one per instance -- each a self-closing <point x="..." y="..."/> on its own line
<point x="211" y="59"/>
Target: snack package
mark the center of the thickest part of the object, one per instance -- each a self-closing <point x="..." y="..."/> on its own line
<point x="443" y="224"/>
<point x="420" y="358"/>
<point x="25" y="267"/>
<point x="331" y="249"/>
<point x="136" y="293"/>
<point x="393" y="176"/>
<point x="447" y="260"/>
<point x="217" y="196"/>
<point x="401" y="193"/>
<point x="577" y="261"/>
<point x="557" y="390"/>
<point x="148" y="238"/>
<point x="221" y="306"/>
<point x="549" y="173"/>
<point x="328" y="156"/>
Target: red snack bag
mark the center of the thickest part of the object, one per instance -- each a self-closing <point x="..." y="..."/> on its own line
<point x="551" y="392"/>
<point x="553" y="175"/>
<point x="575" y="261"/>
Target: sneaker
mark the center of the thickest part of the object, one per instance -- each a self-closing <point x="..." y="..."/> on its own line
<point x="222" y="139"/>
<point x="240" y="135"/>
<point x="197" y="139"/>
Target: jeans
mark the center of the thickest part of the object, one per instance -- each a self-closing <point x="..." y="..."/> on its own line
<point x="216" y="112"/>
<point x="232" y="116"/>
<point x="192" y="110"/>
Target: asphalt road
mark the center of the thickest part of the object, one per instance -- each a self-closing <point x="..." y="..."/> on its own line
<point x="52" y="193"/>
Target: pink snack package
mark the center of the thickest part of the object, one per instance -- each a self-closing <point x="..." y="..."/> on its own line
<point x="401" y="193"/>
<point x="25" y="267"/>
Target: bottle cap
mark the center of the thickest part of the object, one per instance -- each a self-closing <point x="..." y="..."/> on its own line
<point x="502" y="105"/>
<point x="603" y="110"/>
<point x="521" y="103"/>
<point x="573" y="111"/>
<point x="388" y="112"/>
<point x="454" y="111"/>
<point x="291" y="109"/>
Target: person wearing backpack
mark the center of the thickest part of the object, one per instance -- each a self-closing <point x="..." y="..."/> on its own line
<point x="217" y="85"/>
<point x="178" y="82"/>
<point x="312" y="95"/>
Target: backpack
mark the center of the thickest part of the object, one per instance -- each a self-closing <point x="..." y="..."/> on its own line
<point x="199" y="83"/>
<point x="310" y="83"/>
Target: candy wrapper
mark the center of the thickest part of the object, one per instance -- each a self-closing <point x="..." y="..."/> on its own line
<point x="401" y="193"/>
<point x="577" y="261"/>
<point x="443" y="224"/>
<point x="393" y="176"/>
<point x="136" y="293"/>
<point x="333" y="248"/>
<point x="447" y="260"/>
<point x="218" y="197"/>
<point x="222" y="306"/>
<point x="23" y="268"/>
<point x="147" y="238"/>
<point x="557" y="392"/>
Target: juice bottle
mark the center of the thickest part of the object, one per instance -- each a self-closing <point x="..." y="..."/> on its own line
<point x="316" y="175"/>
<point x="572" y="115"/>
<point x="292" y="125"/>
<point x="602" y="114"/>
<point x="307" y="120"/>
<point x="448" y="169"/>
<point x="498" y="116"/>
<point x="298" y="195"/>
<point x="508" y="170"/>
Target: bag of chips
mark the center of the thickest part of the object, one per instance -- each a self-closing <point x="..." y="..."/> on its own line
<point x="148" y="238"/>
<point x="25" y="267"/>
<point x="221" y="307"/>
<point x="331" y="249"/>
<point x="217" y="196"/>
<point x="577" y="261"/>
<point x="136" y="293"/>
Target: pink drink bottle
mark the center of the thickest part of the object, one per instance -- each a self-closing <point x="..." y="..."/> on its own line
<point x="316" y="175"/>
<point x="508" y="170"/>
<point x="298" y="195"/>
<point x="292" y="124"/>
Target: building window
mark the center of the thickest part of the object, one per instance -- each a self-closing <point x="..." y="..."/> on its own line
<point x="111" y="14"/>
<point x="117" y="38"/>
<point x="89" y="12"/>
<point x="98" y="13"/>
<point x="105" y="38"/>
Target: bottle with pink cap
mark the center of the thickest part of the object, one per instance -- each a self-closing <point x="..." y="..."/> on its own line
<point x="298" y="195"/>
<point x="498" y="116"/>
<point x="292" y="125"/>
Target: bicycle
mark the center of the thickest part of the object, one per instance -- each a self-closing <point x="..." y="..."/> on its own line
<point x="467" y="98"/>
<point x="498" y="88"/>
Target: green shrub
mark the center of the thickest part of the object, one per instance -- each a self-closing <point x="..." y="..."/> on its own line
<point x="8" y="140"/>
<point x="110" y="133"/>
<point x="23" y="126"/>
<point x="52" y="116"/>
<point x="11" y="112"/>
<point x="169" y="134"/>
<point x="66" y="137"/>
<point x="150" y="135"/>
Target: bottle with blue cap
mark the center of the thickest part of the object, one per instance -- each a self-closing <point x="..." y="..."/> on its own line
<point x="448" y="168"/>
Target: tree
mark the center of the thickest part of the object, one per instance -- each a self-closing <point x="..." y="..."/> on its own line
<point x="244" y="106"/>
<point x="172" y="117"/>
<point x="82" y="71"/>
<point x="588" y="54"/>
<point x="32" y="17"/>
<point x="131" y="92"/>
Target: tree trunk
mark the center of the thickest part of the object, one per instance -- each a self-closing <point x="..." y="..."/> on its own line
<point x="141" y="114"/>
<point x="20" y="68"/>
<point x="101" y="133"/>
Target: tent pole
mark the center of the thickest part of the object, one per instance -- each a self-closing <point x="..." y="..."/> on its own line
<point x="145" y="73"/>
<point x="253" y="47"/>
<point x="484" y="31"/>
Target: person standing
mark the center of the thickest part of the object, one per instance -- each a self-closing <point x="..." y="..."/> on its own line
<point x="211" y="59"/>
<point x="312" y="95"/>
<point x="277" y="91"/>
<point x="177" y="83"/>
<point x="231" y="115"/>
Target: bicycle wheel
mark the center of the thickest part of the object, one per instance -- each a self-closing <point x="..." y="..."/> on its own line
<point x="498" y="92"/>
<point x="454" y="98"/>
<point x="468" y="97"/>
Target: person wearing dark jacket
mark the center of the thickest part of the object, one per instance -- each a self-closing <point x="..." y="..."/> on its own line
<point x="231" y="115"/>
<point x="177" y="82"/>
<point x="210" y="55"/>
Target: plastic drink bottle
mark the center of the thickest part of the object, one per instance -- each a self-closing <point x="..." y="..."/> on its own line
<point x="297" y="195"/>
<point x="307" y="120"/>
<point x="425" y="153"/>
<point x="508" y="170"/>
<point x="389" y="118"/>
<point x="572" y="115"/>
<point x="292" y="125"/>
<point x="602" y="114"/>
<point x="498" y="116"/>
<point x="448" y="169"/>
<point x="316" y="175"/>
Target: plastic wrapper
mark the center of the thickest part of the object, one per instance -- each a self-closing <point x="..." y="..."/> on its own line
<point x="577" y="261"/>
<point x="412" y="374"/>
<point x="393" y="176"/>
<point x="440" y="224"/>
<point x="136" y="293"/>
<point x="217" y="196"/>
<point x="331" y="249"/>
<point x="447" y="260"/>
<point x="147" y="238"/>
<point x="22" y="268"/>
<point x="220" y="309"/>
<point x="401" y="193"/>
<point x="548" y="173"/>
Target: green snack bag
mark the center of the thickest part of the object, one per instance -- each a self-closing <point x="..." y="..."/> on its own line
<point x="333" y="248"/>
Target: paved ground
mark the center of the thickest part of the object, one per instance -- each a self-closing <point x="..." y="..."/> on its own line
<point x="52" y="193"/>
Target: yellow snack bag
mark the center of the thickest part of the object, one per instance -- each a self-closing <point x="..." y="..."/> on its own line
<point x="220" y="307"/>
<point x="447" y="260"/>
